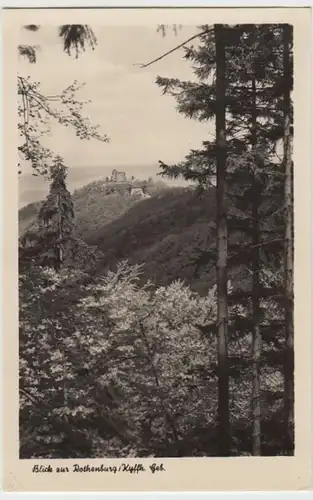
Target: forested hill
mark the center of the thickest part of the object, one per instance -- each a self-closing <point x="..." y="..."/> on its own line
<point x="96" y="204"/>
<point x="167" y="233"/>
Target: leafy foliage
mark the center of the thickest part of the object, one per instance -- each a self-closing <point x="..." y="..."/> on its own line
<point x="36" y="111"/>
<point x="111" y="368"/>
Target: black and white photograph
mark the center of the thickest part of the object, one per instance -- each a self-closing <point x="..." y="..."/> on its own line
<point x="155" y="170"/>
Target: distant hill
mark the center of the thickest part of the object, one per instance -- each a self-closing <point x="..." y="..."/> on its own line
<point x="167" y="233"/>
<point x="158" y="231"/>
<point x="100" y="203"/>
<point x="26" y="216"/>
<point x="96" y="204"/>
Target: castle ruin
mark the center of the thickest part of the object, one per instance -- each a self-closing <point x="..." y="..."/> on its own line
<point x="138" y="191"/>
<point x="118" y="176"/>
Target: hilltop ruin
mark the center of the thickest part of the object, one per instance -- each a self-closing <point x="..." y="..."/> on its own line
<point x="119" y="177"/>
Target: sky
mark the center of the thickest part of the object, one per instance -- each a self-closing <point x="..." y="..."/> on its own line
<point x="142" y="124"/>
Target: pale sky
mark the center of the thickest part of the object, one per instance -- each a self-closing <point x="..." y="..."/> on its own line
<point x="143" y="125"/>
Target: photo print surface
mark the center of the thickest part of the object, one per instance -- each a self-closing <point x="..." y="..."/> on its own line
<point x="156" y="169"/>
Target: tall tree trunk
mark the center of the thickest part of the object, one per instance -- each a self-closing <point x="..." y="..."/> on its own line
<point x="221" y="210"/>
<point x="288" y="252"/>
<point x="256" y="334"/>
<point x="59" y="256"/>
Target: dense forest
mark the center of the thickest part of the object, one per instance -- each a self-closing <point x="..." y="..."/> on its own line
<point x="164" y="326"/>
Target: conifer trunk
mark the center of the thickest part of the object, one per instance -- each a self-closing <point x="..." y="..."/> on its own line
<point x="256" y="334"/>
<point x="288" y="253"/>
<point x="221" y="210"/>
<point x="58" y="259"/>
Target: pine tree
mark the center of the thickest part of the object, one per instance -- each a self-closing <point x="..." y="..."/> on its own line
<point x="262" y="73"/>
<point x="254" y="179"/>
<point x="56" y="216"/>
<point x="74" y="36"/>
<point x="52" y="241"/>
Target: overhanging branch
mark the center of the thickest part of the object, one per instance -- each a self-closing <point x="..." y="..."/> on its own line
<point x="174" y="49"/>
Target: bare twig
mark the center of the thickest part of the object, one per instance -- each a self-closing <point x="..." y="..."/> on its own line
<point x="174" y="49"/>
<point x="29" y="396"/>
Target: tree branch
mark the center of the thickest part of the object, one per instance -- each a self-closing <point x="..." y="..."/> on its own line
<point x="174" y="49"/>
<point x="29" y="396"/>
